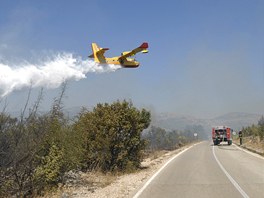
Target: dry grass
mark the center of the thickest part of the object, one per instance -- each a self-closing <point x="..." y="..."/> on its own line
<point x="253" y="144"/>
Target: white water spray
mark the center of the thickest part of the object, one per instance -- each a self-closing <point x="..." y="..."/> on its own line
<point x="49" y="74"/>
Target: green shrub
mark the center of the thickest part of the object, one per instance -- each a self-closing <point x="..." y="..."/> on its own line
<point x="49" y="171"/>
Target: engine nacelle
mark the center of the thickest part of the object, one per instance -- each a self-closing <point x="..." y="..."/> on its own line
<point x="124" y="53"/>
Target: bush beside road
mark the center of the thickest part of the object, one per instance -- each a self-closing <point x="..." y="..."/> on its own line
<point x="97" y="184"/>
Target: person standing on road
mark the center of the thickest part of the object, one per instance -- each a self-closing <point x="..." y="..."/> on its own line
<point x="240" y="137"/>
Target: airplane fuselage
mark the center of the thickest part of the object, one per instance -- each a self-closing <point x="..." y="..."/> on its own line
<point x="124" y="63"/>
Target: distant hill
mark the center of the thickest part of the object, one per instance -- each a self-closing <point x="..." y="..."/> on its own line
<point x="172" y="121"/>
<point x="234" y="120"/>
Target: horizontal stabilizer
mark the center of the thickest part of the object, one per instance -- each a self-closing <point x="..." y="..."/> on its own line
<point x="102" y="50"/>
<point x="99" y="52"/>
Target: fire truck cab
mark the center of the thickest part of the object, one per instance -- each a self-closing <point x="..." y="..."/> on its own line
<point x="222" y="134"/>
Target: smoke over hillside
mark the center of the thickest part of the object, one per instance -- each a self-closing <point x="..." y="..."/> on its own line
<point x="49" y="73"/>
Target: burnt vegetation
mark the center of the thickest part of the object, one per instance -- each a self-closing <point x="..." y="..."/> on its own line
<point x="36" y="150"/>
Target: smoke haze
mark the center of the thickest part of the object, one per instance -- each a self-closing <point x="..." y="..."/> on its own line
<point x="49" y="74"/>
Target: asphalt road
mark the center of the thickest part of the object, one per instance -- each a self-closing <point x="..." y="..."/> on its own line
<point x="209" y="171"/>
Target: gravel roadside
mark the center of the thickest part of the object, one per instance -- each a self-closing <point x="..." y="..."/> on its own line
<point x="94" y="185"/>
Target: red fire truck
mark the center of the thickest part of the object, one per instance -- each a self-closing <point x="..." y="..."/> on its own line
<point x="222" y="134"/>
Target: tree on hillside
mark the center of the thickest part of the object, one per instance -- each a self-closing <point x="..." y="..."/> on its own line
<point x="255" y="130"/>
<point x="190" y="130"/>
<point x="36" y="150"/>
<point x="156" y="137"/>
<point x="60" y="148"/>
<point x="19" y="140"/>
<point x="112" y="136"/>
<point x="261" y="121"/>
<point x="159" y="139"/>
<point x="261" y="127"/>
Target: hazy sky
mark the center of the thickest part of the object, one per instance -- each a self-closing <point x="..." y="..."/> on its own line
<point x="206" y="57"/>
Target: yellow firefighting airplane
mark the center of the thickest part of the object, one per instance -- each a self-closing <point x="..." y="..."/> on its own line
<point x="123" y="60"/>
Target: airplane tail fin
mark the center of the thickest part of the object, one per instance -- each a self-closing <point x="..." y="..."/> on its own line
<point x="98" y="53"/>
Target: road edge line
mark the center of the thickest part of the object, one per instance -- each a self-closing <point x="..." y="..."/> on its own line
<point x="242" y="192"/>
<point x="249" y="152"/>
<point x="153" y="176"/>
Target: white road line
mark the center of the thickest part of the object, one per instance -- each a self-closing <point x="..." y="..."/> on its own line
<point x="249" y="152"/>
<point x="153" y="176"/>
<point x="242" y="192"/>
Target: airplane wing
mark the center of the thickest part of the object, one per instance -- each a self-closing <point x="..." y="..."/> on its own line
<point x="141" y="48"/>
